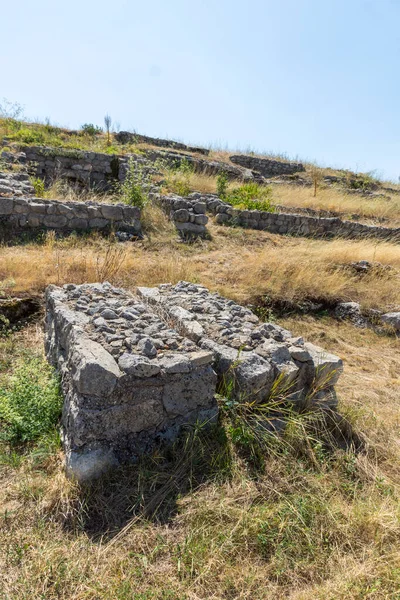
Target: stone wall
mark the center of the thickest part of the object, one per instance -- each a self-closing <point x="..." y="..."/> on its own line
<point x="18" y="214"/>
<point x="200" y="165"/>
<point x="91" y="169"/>
<point x="266" y="166"/>
<point x="15" y="184"/>
<point x="128" y="379"/>
<point x="292" y="224"/>
<point x="135" y="368"/>
<point x="189" y="216"/>
<point x="127" y="137"/>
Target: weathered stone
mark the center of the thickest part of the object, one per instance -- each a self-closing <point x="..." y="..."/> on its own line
<point x="95" y="372"/>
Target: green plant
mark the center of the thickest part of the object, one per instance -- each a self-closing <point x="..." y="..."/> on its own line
<point x="133" y="189"/>
<point x="222" y="185"/>
<point x="90" y="129"/>
<point x="38" y="185"/>
<point x="251" y="196"/>
<point x="29" y="136"/>
<point x="30" y="401"/>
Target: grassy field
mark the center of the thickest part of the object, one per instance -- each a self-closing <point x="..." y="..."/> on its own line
<point x="225" y="514"/>
<point x="242" y="264"/>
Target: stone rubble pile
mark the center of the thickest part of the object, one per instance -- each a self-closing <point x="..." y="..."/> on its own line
<point x="136" y="368"/>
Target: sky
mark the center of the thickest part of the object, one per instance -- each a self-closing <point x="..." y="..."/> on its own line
<point x="315" y="80"/>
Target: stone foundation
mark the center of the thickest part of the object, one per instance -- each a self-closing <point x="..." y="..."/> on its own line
<point x="19" y="214"/>
<point x="136" y="368"/>
<point x="128" y="379"/>
<point x="293" y="224"/>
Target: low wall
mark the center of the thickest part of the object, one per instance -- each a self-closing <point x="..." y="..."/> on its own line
<point x="127" y="137"/>
<point x="188" y="216"/>
<point x="136" y="368"/>
<point x="35" y="213"/>
<point x="266" y="166"/>
<point x="199" y="165"/>
<point x="288" y="223"/>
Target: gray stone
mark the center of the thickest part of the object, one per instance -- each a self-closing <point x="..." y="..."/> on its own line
<point x="95" y="372"/>
<point x="138" y="366"/>
<point x="146" y="347"/>
<point x="392" y="319"/>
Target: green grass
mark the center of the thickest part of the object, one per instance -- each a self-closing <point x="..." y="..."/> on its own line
<point x="30" y="401"/>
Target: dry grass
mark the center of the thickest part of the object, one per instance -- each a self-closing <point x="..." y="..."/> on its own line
<point x="339" y="201"/>
<point x="243" y="264"/>
<point x="326" y="528"/>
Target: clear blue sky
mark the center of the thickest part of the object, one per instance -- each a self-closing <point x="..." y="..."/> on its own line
<point x="315" y="79"/>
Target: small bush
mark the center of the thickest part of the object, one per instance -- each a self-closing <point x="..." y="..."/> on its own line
<point x="30" y="402"/>
<point x="178" y="177"/>
<point x="90" y="129"/>
<point x="222" y="185"/>
<point x="29" y="136"/>
<point x="133" y="190"/>
<point x="251" y="196"/>
<point x="38" y="185"/>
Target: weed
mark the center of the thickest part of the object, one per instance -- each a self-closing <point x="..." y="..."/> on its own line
<point x="91" y="130"/>
<point x="30" y="401"/>
<point x="222" y="185"/>
<point x="38" y="185"/>
<point x="133" y="190"/>
<point x="251" y="196"/>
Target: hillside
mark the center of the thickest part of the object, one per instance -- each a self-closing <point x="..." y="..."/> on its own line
<point x="308" y="510"/>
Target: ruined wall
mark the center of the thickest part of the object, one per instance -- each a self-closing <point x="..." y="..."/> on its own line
<point x="266" y="166"/>
<point x="292" y="224"/>
<point x="135" y="368"/>
<point x="128" y="379"/>
<point x="35" y="213"/>
<point x="189" y="216"/>
<point x="127" y="137"/>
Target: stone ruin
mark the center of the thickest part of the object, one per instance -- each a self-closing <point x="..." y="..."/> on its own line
<point x="136" y="368"/>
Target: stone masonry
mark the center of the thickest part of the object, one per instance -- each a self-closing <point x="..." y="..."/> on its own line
<point x="292" y="224"/>
<point x="136" y="368"/>
<point x="128" y="378"/>
<point x="266" y="166"/>
<point x="188" y="215"/>
<point x="127" y="137"/>
<point x="18" y="214"/>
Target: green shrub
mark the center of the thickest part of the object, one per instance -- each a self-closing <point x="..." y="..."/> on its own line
<point x="133" y="190"/>
<point x="222" y="185"/>
<point x="30" y="402"/>
<point x="251" y="196"/>
<point x="90" y="129"/>
<point x="38" y="185"/>
<point x="29" y="136"/>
